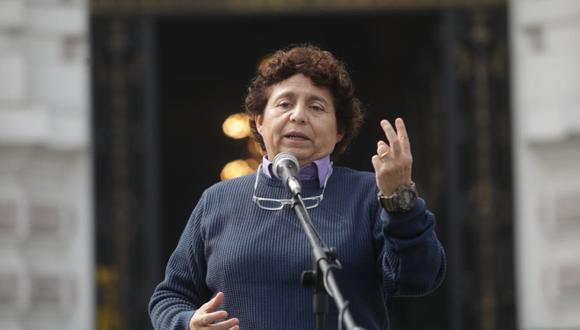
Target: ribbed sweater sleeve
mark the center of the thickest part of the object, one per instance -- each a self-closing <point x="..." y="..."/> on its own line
<point x="183" y="290"/>
<point x="413" y="260"/>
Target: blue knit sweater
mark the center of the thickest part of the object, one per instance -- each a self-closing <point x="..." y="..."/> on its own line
<point x="256" y="257"/>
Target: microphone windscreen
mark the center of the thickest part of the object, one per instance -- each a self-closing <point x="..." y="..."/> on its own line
<point x="282" y="158"/>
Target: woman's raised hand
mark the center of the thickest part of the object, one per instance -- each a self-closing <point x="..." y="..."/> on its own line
<point x="393" y="161"/>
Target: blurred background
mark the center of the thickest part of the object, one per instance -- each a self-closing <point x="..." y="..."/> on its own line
<point x="115" y="115"/>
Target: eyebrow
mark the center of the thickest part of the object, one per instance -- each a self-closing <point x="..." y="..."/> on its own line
<point x="310" y="97"/>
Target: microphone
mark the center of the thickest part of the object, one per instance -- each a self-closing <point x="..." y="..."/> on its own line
<point x="286" y="169"/>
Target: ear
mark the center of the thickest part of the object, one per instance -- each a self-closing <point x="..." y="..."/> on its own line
<point x="259" y="119"/>
<point x="339" y="136"/>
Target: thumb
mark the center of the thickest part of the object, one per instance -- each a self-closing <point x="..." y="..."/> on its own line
<point x="214" y="303"/>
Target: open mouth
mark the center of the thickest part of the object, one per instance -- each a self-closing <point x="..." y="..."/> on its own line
<point x="296" y="136"/>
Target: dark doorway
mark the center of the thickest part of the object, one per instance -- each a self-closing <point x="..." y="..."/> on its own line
<point x="205" y="66"/>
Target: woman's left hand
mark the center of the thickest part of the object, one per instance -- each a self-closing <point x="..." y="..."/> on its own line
<point x="393" y="161"/>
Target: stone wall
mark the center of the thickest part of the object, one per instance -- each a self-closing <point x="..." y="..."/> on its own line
<point x="46" y="235"/>
<point x="546" y="117"/>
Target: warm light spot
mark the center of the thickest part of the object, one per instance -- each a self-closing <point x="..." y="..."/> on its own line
<point x="255" y="149"/>
<point x="238" y="168"/>
<point x="237" y="126"/>
<point x="253" y="163"/>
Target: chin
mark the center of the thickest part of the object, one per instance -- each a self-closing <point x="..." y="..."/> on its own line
<point x="298" y="153"/>
<point x="303" y="156"/>
<point x="300" y="157"/>
<point x="305" y="159"/>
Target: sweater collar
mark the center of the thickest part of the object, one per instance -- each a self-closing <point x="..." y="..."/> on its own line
<point x="319" y="169"/>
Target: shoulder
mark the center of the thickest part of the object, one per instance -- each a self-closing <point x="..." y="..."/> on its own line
<point x="215" y="196"/>
<point x="242" y="182"/>
<point x="239" y="184"/>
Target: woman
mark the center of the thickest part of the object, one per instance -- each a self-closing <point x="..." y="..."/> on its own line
<point x="243" y="244"/>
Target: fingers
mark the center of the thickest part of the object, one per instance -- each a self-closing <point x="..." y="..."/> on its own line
<point x="382" y="149"/>
<point x="206" y="317"/>
<point x="402" y="133"/>
<point x="213" y="303"/>
<point x="392" y="136"/>
<point x="210" y="318"/>
<point x="214" y="321"/>
<point x="226" y="325"/>
<point x="393" y="161"/>
<point x="398" y="139"/>
<point x="376" y="160"/>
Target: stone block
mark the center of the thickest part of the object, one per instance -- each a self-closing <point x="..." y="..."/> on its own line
<point x="11" y="13"/>
<point x="56" y="19"/>
<point x="12" y="78"/>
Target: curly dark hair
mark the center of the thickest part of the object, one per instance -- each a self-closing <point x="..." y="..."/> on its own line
<point x="324" y="70"/>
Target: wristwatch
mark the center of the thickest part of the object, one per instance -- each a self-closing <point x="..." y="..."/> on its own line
<point x="402" y="200"/>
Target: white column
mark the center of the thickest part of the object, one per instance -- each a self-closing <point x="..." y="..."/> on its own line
<point x="46" y="229"/>
<point x="545" y="60"/>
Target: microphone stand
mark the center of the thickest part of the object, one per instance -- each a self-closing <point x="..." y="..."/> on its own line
<point x="321" y="277"/>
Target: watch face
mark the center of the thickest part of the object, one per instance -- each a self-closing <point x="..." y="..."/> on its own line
<point x="407" y="199"/>
<point x="402" y="200"/>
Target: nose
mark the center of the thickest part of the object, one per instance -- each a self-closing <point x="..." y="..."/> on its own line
<point x="298" y="114"/>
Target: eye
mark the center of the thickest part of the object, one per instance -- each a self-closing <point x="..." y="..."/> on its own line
<point x="317" y="107"/>
<point x="284" y="104"/>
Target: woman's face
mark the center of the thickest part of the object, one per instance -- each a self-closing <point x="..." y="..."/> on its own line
<point x="299" y="119"/>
